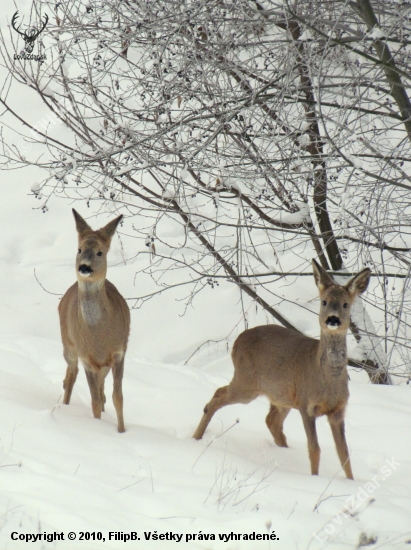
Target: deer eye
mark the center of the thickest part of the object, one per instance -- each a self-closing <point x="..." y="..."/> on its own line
<point x="345" y="305"/>
<point x="324" y="302"/>
<point x="99" y="253"/>
<point x="79" y="250"/>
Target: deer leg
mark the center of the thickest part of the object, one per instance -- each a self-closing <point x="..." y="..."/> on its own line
<point x="336" y="421"/>
<point x="313" y="446"/>
<point x="275" y="420"/>
<point x="71" y="373"/>
<point x="227" y="395"/>
<point x="102" y="375"/>
<point x="102" y="395"/>
<point x="93" y="384"/>
<point x="118" y="369"/>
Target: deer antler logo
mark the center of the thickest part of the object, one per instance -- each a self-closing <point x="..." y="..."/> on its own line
<point x="31" y="35"/>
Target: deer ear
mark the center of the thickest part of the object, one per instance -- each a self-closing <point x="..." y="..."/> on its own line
<point x="358" y="284"/>
<point x="81" y="224"/>
<point x="322" y="279"/>
<point x="108" y="230"/>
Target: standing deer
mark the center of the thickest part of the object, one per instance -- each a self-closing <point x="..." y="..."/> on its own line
<point x="298" y="372"/>
<point x="94" y="320"/>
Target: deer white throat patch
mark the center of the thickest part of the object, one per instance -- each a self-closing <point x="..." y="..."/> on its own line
<point x="90" y="304"/>
<point x="90" y="310"/>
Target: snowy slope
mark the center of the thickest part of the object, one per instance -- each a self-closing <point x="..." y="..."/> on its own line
<point x="63" y="471"/>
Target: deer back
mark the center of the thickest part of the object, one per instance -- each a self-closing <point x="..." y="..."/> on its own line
<point x="277" y="362"/>
<point x="294" y="370"/>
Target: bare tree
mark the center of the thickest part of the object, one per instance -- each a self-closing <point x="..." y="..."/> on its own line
<point x="265" y="132"/>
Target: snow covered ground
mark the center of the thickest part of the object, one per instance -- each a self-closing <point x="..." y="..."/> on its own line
<point x="63" y="471"/>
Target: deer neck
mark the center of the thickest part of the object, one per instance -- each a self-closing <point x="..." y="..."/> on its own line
<point x="333" y="353"/>
<point x="93" y="301"/>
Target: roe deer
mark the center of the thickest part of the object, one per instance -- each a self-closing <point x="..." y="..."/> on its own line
<point x="295" y="371"/>
<point x="94" y="320"/>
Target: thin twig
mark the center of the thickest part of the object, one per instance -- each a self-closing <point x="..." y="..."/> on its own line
<point x="45" y="289"/>
<point x="328" y="484"/>
<point x="214" y="438"/>
<point x="132" y="484"/>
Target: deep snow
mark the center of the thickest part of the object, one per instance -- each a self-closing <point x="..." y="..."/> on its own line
<point x="61" y="470"/>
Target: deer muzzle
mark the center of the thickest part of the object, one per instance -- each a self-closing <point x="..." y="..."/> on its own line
<point x="333" y="322"/>
<point x="85" y="270"/>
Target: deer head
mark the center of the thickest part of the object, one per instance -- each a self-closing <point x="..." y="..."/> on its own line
<point x="337" y="300"/>
<point x="91" y="260"/>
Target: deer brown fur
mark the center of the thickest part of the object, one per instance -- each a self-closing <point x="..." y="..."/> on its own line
<point x="298" y="372"/>
<point x="94" y="320"/>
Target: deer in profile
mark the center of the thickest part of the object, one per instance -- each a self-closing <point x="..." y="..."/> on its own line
<point x="298" y="372"/>
<point x="94" y="320"/>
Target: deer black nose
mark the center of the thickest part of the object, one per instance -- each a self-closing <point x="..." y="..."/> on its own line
<point x="333" y="321"/>
<point x="85" y="269"/>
